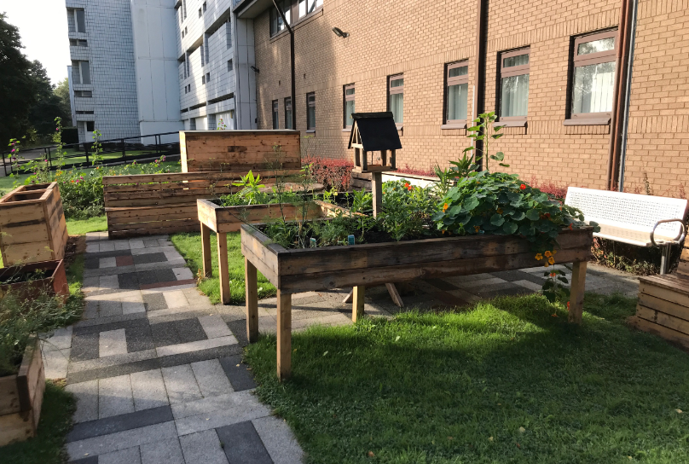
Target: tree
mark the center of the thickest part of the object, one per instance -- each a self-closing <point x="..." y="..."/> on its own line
<point x="47" y="106"/>
<point x="62" y="92"/>
<point x="16" y="85"/>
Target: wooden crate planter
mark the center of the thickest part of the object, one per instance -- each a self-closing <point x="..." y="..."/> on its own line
<point x="21" y="397"/>
<point x="225" y="219"/>
<point x="54" y="284"/>
<point x="313" y="269"/>
<point x="663" y="307"/>
<point x="32" y="225"/>
<point x="239" y="151"/>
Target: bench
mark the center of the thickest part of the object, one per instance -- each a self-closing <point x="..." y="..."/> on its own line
<point x="641" y="220"/>
<point x="663" y="307"/>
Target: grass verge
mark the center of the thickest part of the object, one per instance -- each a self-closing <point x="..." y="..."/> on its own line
<point x="56" y="421"/>
<point x="189" y="246"/>
<point x="504" y="381"/>
<point x="84" y="226"/>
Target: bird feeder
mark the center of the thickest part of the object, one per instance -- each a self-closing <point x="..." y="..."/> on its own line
<point x="371" y="133"/>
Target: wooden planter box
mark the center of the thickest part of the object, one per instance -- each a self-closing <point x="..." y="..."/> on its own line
<point x="239" y="150"/>
<point x="32" y="225"/>
<point x="55" y="284"/>
<point x="224" y="219"/>
<point x="312" y="269"/>
<point x="21" y="397"/>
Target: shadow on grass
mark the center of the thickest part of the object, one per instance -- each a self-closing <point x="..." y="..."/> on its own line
<point x="504" y="382"/>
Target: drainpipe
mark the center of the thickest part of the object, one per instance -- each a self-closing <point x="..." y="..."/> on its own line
<point x="478" y="106"/>
<point x="628" y="92"/>
<point x="619" y="95"/>
<point x="291" y="52"/>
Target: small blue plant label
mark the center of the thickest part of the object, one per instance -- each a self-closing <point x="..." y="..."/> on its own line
<point x="314" y="244"/>
<point x="350" y="239"/>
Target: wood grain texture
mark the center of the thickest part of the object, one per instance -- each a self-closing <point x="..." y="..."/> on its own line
<point x="251" y="283"/>
<point x="224" y="273"/>
<point x="284" y="332"/>
<point x="657" y="329"/>
<point x="577" y="289"/>
<point x="206" y="251"/>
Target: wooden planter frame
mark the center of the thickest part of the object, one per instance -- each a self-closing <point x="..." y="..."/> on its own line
<point x="312" y="269"/>
<point x="225" y="219"/>
<point x="21" y="397"/>
<point x="55" y="284"/>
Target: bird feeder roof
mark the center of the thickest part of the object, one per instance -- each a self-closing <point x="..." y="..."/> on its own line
<point x="377" y="131"/>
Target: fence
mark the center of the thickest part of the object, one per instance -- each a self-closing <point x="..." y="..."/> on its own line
<point x="114" y="151"/>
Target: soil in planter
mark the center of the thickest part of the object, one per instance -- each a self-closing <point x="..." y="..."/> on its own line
<point x="38" y="274"/>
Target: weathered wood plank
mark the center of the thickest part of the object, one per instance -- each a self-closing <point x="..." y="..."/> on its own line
<point x="672" y="295"/>
<point x="206" y="251"/>
<point x="251" y="283"/>
<point x="577" y="289"/>
<point x="664" y="306"/>
<point x="284" y="332"/>
<point x="657" y="329"/>
<point x="224" y="273"/>
<point x="358" y="299"/>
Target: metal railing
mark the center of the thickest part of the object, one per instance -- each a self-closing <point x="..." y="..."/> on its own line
<point x="128" y="149"/>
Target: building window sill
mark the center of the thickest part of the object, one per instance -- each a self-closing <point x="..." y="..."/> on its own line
<point x="511" y="123"/>
<point x="593" y="121"/>
<point x="311" y="131"/>
<point x="347" y="129"/>
<point x="454" y="125"/>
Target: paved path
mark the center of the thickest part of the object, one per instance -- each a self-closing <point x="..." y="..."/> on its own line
<point x="156" y="368"/>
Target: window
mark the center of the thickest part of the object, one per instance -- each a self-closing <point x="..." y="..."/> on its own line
<point x="229" y="66"/>
<point x="514" y="85"/>
<point x="81" y="72"/>
<point x="200" y="12"/>
<point x="203" y="55"/>
<point x="90" y="126"/>
<point x="348" y="104"/>
<point x="593" y="79"/>
<point x="83" y="94"/>
<point x="208" y="77"/>
<point x="212" y="122"/>
<point x="184" y="7"/>
<point x="78" y="43"/>
<point x="228" y="30"/>
<point x="294" y="10"/>
<point x="288" y="113"/>
<point x="192" y="124"/>
<point x="181" y="19"/>
<point x="204" y="7"/>
<point x="276" y="121"/>
<point x="203" y="80"/>
<point x="207" y="49"/>
<point x="80" y="20"/>
<point x="276" y="24"/>
<point x="311" y="111"/>
<point x="396" y="97"/>
<point x="456" y="92"/>
<point x="308" y="6"/>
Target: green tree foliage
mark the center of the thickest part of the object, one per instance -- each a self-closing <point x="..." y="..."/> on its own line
<point x="48" y="105"/>
<point x="16" y="84"/>
<point x="62" y="92"/>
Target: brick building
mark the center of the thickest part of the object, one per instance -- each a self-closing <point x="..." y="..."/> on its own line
<point x="555" y="71"/>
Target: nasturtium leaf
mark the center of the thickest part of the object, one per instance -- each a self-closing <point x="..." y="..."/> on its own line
<point x="471" y="203"/>
<point x="497" y="220"/>
<point x="533" y="215"/>
<point x="455" y="210"/>
<point x="509" y="228"/>
<point x="518" y="215"/>
<point x="464" y="218"/>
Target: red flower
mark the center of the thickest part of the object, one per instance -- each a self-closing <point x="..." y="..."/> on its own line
<point x="408" y="186"/>
<point x="523" y="186"/>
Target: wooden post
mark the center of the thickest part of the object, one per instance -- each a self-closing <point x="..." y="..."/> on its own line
<point x="251" y="280"/>
<point x="377" y="188"/>
<point x="224" y="272"/>
<point x="358" y="306"/>
<point x="395" y="295"/>
<point x="284" y="310"/>
<point x="576" y="297"/>
<point x="206" y="249"/>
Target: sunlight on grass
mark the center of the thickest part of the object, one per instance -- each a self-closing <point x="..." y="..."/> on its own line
<point x="84" y="226"/>
<point x="504" y="381"/>
<point x="189" y="246"/>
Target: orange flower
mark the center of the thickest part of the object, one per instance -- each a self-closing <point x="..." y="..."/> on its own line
<point x="571" y="227"/>
<point x="408" y="186"/>
<point x="523" y="186"/>
<point x="548" y="254"/>
<point x="568" y="306"/>
<point x="554" y="315"/>
<point x="445" y="206"/>
<point x="477" y="228"/>
<point x="551" y="260"/>
<point x="539" y="256"/>
<point x="499" y="210"/>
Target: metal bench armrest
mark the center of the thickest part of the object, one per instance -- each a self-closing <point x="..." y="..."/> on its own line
<point x="680" y="236"/>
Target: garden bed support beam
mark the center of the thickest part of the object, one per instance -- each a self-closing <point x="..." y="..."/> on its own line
<point x="206" y="250"/>
<point x="284" y="326"/>
<point x="251" y="279"/>
<point x="223" y="267"/>
<point x="576" y="297"/>
<point x="358" y="295"/>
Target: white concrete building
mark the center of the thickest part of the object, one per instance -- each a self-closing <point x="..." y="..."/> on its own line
<point x="142" y="67"/>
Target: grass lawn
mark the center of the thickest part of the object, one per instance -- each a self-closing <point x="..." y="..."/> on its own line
<point x="84" y="226"/>
<point x="502" y="382"/>
<point x="189" y="246"/>
<point x="48" y="445"/>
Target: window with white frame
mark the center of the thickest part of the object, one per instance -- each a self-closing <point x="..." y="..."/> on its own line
<point x="456" y="93"/>
<point x="348" y="103"/>
<point x="396" y="97"/>
<point x="514" y="85"/>
<point x="288" y="113"/>
<point x="81" y="72"/>
<point x="311" y="111"/>
<point x="294" y="11"/>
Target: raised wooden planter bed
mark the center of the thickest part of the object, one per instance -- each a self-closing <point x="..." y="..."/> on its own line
<point x="301" y="270"/>
<point x="21" y="397"/>
<point x="54" y="284"/>
<point x="32" y="225"/>
<point x="224" y="219"/>
<point x="663" y="307"/>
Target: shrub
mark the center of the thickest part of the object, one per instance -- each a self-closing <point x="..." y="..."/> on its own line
<point x="554" y="191"/>
<point x="332" y="173"/>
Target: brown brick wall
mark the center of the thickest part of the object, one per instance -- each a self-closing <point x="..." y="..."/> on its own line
<point x="392" y="37"/>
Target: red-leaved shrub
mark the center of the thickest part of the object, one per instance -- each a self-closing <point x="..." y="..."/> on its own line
<point x="556" y="192"/>
<point x="330" y="172"/>
<point x="418" y="172"/>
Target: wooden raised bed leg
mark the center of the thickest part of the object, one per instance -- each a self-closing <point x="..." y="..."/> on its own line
<point x="250" y="277"/>
<point x="576" y="297"/>
<point x="224" y="272"/>
<point x="377" y="189"/>
<point x="284" y="310"/>
<point x="206" y="248"/>
<point x="358" y="306"/>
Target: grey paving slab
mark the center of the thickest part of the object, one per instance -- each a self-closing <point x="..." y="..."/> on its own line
<point x="176" y="299"/>
<point x="112" y="342"/>
<point x="84" y="346"/>
<point x="115" y="396"/>
<point x="279" y="440"/>
<point x="180" y="384"/>
<point x="139" y="338"/>
<point x="121" y="423"/>
<point x="162" y="452"/>
<point x="109" y="308"/>
<point x="195" y="346"/>
<point x="211" y="378"/>
<point x="237" y="373"/>
<point x="182" y="273"/>
<point x="155" y="301"/>
<point x="121" y="440"/>
<point x="150" y="258"/>
<point x="214" y="326"/>
<point x="242" y="444"/>
<point x="55" y="362"/>
<point x="156" y="249"/>
<point x="99" y="363"/>
<point x="148" y="389"/>
<point x="86" y="394"/>
<point x="59" y="339"/>
<point x="202" y="448"/>
<point x="88" y="460"/>
<point x="125" y="456"/>
<point x="177" y="332"/>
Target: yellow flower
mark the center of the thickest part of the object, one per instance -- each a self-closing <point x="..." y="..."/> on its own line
<point x="499" y="210"/>
<point x="445" y="206"/>
<point x="551" y="260"/>
<point x="548" y="254"/>
<point x="539" y="256"/>
<point x="546" y="264"/>
<point x="554" y="252"/>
